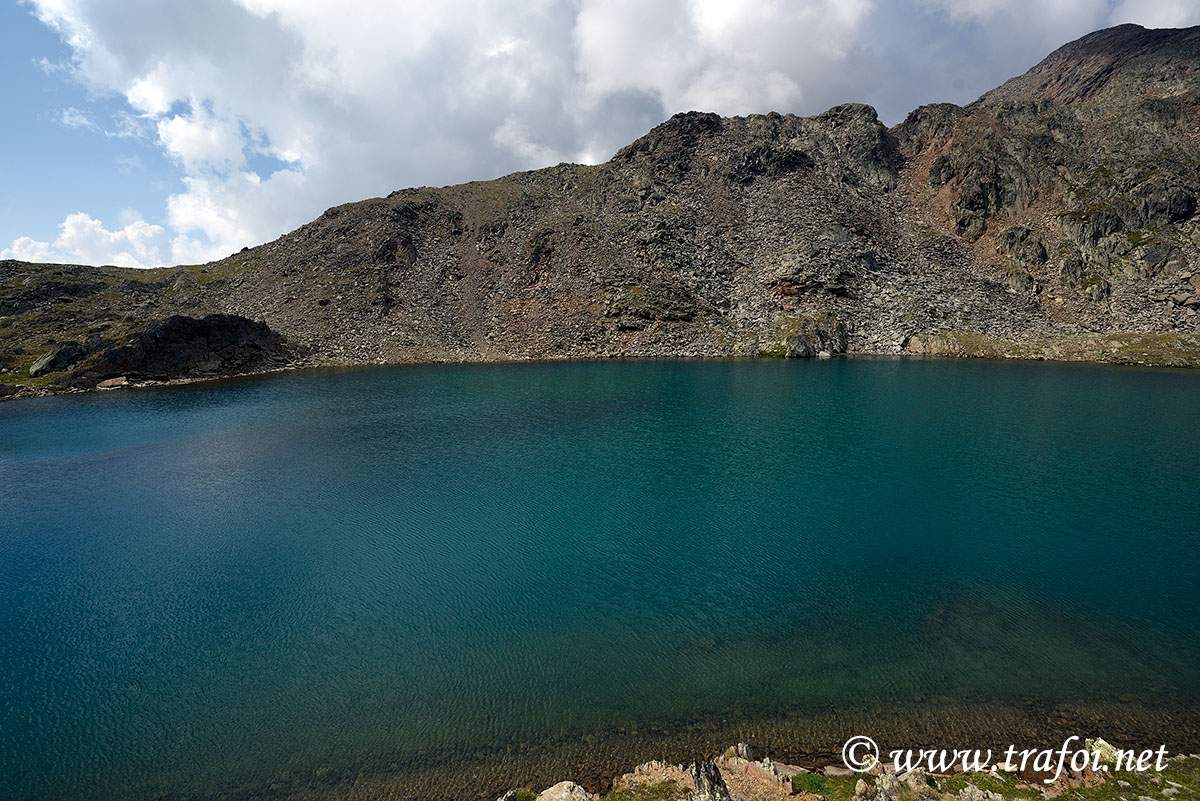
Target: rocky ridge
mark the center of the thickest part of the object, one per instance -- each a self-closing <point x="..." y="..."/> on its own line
<point x="1054" y="218"/>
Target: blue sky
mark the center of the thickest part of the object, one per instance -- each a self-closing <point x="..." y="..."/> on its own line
<point x="51" y="169"/>
<point x="146" y="132"/>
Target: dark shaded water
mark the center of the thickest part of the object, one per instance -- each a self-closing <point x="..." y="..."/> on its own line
<point x="357" y="577"/>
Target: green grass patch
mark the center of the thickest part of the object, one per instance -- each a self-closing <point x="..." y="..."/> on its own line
<point x="18" y="372"/>
<point x="666" y="790"/>
<point x="809" y="783"/>
<point x="1009" y="787"/>
<point x="833" y="788"/>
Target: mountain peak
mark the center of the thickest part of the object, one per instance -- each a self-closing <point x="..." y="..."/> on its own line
<point x="1126" y="63"/>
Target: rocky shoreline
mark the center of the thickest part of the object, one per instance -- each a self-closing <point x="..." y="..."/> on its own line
<point x="741" y="774"/>
<point x="1126" y="354"/>
<point x="600" y="761"/>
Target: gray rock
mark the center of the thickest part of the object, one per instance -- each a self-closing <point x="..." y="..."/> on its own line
<point x="973" y="793"/>
<point x="917" y="779"/>
<point x="187" y="347"/>
<point x="62" y="356"/>
<point x="710" y="786"/>
<point x="836" y="770"/>
<point x="1106" y="754"/>
<point x="1096" y="288"/>
<point x="1019" y="280"/>
<point x="745" y="752"/>
<point x="565" y="791"/>
<point x="1024" y="245"/>
<point x="887" y="786"/>
<point x="814" y="335"/>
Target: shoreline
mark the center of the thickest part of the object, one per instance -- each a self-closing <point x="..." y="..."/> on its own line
<point x="741" y="773"/>
<point x="598" y="760"/>
<point x="26" y="392"/>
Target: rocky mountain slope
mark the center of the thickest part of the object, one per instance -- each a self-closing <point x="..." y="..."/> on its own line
<point x="1055" y="217"/>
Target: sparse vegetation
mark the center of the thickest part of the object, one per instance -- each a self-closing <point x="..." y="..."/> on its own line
<point x="660" y="791"/>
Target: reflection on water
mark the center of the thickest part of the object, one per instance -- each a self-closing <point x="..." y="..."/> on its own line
<point x="365" y="582"/>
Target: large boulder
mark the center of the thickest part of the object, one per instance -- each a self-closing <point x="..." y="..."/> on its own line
<point x="188" y="347"/>
<point x="813" y="336"/>
<point x="565" y="791"/>
<point x="62" y="356"/>
<point x="710" y="786"/>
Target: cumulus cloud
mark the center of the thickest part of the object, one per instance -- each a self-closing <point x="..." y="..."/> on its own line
<point x="1158" y="13"/>
<point x="273" y="110"/>
<point x="82" y="238"/>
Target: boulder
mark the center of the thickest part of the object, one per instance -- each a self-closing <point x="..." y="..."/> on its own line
<point x="1095" y="288"/>
<point x="973" y="793"/>
<point x="812" y="335"/>
<point x="1019" y="280"/>
<point x="916" y="779"/>
<point x="745" y="752"/>
<point x="710" y="786"/>
<point x="187" y="347"/>
<point x="1159" y="258"/>
<point x="565" y="791"/>
<point x="887" y="787"/>
<point x="1024" y="245"/>
<point x="62" y="356"/>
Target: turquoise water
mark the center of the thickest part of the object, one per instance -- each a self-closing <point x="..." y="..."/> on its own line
<point x="211" y="587"/>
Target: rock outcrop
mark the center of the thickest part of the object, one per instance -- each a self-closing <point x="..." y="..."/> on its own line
<point x="565" y="791"/>
<point x="173" y="348"/>
<point x="1055" y="217"/>
<point x="739" y="775"/>
<point x="182" y="347"/>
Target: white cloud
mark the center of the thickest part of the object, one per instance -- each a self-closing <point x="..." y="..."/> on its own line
<point x="27" y="248"/>
<point x="148" y="96"/>
<point x="85" y="240"/>
<point x="1158" y="13"/>
<point x="74" y="118"/>
<point x="276" y="109"/>
<point x="515" y="138"/>
<point x="128" y="165"/>
<point x="201" y="142"/>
